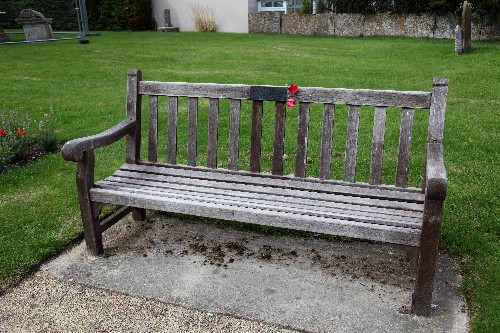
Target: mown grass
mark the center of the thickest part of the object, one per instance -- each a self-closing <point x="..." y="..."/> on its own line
<point x="85" y="86"/>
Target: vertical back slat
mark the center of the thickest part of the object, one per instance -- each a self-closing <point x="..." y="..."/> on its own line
<point x="279" y="137"/>
<point x="213" y="132"/>
<point x="352" y="144"/>
<point x="153" y="129"/>
<point x="404" y="147"/>
<point x="326" y="141"/>
<point x="192" y="130"/>
<point x="437" y="110"/>
<point x="133" y="140"/>
<point x="436" y="115"/>
<point x="234" y="134"/>
<point x="378" y="141"/>
<point x="301" y="153"/>
<point x="255" y="146"/>
<point x="172" y="130"/>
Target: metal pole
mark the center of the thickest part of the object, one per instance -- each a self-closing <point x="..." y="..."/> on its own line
<point x="83" y="19"/>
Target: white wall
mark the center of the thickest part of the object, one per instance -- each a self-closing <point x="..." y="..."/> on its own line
<point x="230" y="15"/>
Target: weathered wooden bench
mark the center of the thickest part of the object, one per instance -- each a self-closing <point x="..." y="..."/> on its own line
<point x="398" y="214"/>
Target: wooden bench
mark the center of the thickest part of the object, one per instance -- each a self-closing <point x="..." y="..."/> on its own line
<point x="398" y="214"/>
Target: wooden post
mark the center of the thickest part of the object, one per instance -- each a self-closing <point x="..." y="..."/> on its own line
<point x="435" y="184"/>
<point x="429" y="241"/>
<point x="134" y="113"/>
<point x="90" y="218"/>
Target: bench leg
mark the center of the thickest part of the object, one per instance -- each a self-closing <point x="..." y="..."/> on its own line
<point x="91" y="229"/>
<point x="139" y="214"/>
<point x="90" y="215"/>
<point x="429" y="241"/>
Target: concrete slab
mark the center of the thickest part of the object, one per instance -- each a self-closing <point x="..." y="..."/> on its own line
<point x="304" y="283"/>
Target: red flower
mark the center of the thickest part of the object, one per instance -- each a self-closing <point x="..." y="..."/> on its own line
<point x="20" y="132"/>
<point x="290" y="102"/>
<point x="1" y="131"/>
<point x="293" y="88"/>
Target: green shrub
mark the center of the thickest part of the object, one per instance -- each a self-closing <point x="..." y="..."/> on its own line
<point x="46" y="132"/>
<point x="62" y="12"/>
<point x="17" y="135"/>
<point x="481" y="8"/>
<point x="14" y="138"/>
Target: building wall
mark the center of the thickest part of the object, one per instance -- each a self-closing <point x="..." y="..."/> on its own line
<point x="230" y="15"/>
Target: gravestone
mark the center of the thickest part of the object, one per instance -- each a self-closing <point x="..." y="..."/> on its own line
<point x="35" y="25"/>
<point x="466" y="25"/>
<point x="459" y="40"/>
<point x="168" y="23"/>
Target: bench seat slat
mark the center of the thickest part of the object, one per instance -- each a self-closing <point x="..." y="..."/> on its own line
<point x="412" y="195"/>
<point x="134" y="190"/>
<point x="378" y="232"/>
<point x="368" y="203"/>
<point x="406" y="216"/>
<point x="390" y="216"/>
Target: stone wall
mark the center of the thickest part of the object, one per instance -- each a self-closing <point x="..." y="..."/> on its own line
<point x="354" y="25"/>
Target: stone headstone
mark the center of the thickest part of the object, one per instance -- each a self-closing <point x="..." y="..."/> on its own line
<point x="459" y="41"/>
<point x="466" y="25"/>
<point x="168" y="23"/>
<point x="35" y="25"/>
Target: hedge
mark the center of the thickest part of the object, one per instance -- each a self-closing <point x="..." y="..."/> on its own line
<point x="62" y="12"/>
<point x="481" y="8"/>
<point x="103" y="14"/>
<point x="120" y="14"/>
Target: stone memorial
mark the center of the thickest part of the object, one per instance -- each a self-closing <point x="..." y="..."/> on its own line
<point x="168" y="23"/>
<point x="35" y="25"/>
<point x="466" y="25"/>
<point x="459" y="40"/>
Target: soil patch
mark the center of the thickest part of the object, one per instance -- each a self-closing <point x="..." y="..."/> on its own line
<point x="220" y="245"/>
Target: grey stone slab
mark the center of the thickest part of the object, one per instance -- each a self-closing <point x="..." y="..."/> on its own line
<point x="304" y="283"/>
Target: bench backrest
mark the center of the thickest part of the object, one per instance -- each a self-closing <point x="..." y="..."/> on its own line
<point x="330" y="99"/>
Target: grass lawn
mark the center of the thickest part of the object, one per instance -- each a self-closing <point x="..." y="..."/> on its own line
<point x="85" y="86"/>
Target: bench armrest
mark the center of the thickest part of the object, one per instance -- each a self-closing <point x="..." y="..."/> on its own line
<point x="73" y="150"/>
<point x="435" y="173"/>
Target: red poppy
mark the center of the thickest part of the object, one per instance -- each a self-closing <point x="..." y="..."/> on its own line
<point x="20" y="132"/>
<point x="290" y="102"/>
<point x="293" y="88"/>
<point x="1" y="131"/>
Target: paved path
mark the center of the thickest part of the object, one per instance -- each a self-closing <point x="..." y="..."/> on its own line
<point x="173" y="275"/>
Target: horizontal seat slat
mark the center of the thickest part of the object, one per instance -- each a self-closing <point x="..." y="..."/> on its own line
<point x="325" y="186"/>
<point x="391" y="234"/>
<point x="302" y="198"/>
<point x="296" y="206"/>
<point x="280" y="191"/>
